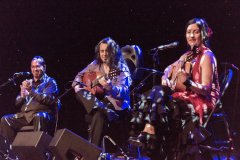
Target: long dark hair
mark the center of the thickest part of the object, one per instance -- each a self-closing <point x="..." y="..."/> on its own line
<point x="116" y="57"/>
<point x="113" y="50"/>
<point x="206" y="31"/>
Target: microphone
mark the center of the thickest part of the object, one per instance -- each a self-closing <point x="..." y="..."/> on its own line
<point x="230" y="65"/>
<point x="235" y="67"/>
<point x="166" y="46"/>
<point x="22" y="74"/>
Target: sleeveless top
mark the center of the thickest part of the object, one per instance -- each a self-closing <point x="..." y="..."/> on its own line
<point x="201" y="103"/>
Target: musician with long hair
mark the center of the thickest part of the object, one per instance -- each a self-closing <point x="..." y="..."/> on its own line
<point x="194" y="90"/>
<point x="104" y="89"/>
<point x="36" y="99"/>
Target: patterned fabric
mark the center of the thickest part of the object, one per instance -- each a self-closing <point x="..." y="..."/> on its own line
<point x="37" y="109"/>
<point x="41" y="98"/>
<point x="202" y="104"/>
<point x="121" y="84"/>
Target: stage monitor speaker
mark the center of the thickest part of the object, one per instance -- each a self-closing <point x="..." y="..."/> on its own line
<point x="66" y="143"/>
<point x="31" y="145"/>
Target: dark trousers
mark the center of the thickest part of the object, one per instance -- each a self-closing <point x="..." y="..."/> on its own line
<point x="96" y="127"/>
<point x="11" y="124"/>
<point x="98" y="117"/>
<point x="99" y="125"/>
<point x="190" y="135"/>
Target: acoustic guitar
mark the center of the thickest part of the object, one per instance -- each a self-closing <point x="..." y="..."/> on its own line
<point x="91" y="79"/>
<point x="177" y="75"/>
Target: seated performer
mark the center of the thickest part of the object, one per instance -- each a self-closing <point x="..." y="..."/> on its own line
<point x="105" y="92"/>
<point x="193" y="80"/>
<point x="36" y="98"/>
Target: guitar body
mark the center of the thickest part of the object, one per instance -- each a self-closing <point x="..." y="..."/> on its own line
<point x="91" y="79"/>
<point x="178" y="77"/>
<point x="88" y="78"/>
<point x="181" y="77"/>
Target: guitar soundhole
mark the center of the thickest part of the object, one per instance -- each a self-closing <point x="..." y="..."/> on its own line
<point x="89" y="79"/>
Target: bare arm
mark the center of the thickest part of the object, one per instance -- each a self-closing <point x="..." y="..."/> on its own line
<point x="207" y="66"/>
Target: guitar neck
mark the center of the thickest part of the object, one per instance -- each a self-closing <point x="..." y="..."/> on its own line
<point x="107" y="76"/>
<point x="96" y="81"/>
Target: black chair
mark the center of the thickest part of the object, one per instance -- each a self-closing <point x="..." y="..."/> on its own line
<point x="30" y="128"/>
<point x="133" y="57"/>
<point x="218" y="115"/>
<point x="6" y="148"/>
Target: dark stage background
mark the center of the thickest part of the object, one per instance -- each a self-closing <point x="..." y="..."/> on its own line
<point x="66" y="32"/>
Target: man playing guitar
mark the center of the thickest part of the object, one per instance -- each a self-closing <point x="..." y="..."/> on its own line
<point x="105" y="94"/>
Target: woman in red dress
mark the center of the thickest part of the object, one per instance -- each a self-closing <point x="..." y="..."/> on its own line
<point x="193" y="80"/>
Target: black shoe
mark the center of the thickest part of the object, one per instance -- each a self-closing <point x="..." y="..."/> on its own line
<point x="135" y="141"/>
<point x="143" y="139"/>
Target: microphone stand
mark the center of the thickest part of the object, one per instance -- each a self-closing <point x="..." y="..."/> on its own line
<point x="156" y="62"/>
<point x="136" y="89"/>
<point x="156" y="58"/>
<point x="141" y="84"/>
<point x="235" y="110"/>
<point x="104" y="155"/>
<point x="67" y="91"/>
<point x="107" y="156"/>
<point x="9" y="81"/>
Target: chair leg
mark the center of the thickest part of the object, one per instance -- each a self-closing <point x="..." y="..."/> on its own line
<point x="224" y="149"/>
<point x="229" y="136"/>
